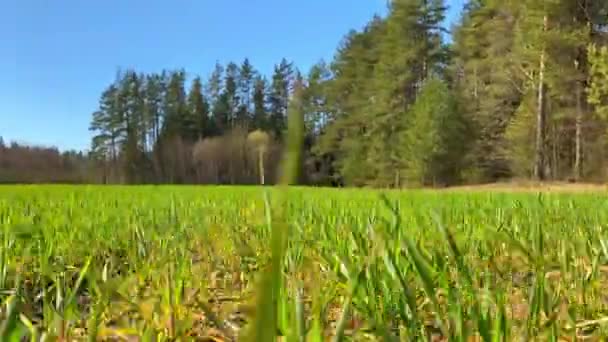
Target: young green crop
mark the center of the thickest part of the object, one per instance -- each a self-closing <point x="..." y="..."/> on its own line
<point x="178" y="263"/>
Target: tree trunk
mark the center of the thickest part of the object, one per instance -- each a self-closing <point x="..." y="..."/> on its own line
<point x="475" y="90"/>
<point x="580" y="63"/>
<point x="397" y="179"/>
<point x="540" y="162"/>
<point x="261" y="167"/>
<point x="555" y="165"/>
<point x="113" y="157"/>
<point x="578" y="158"/>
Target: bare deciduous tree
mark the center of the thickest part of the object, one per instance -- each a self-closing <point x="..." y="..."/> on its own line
<point x="259" y="142"/>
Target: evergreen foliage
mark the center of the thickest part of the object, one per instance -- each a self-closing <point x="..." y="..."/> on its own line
<point x="519" y="91"/>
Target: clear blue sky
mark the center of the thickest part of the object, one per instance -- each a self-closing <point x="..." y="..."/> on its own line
<point x="57" y="56"/>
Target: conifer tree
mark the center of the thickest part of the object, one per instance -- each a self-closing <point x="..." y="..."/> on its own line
<point x="259" y="118"/>
<point x="433" y="140"/>
<point x="409" y="51"/>
<point x="350" y="96"/>
<point x="175" y="110"/>
<point x="598" y="90"/>
<point x="197" y="124"/>
<point x="245" y="92"/>
<point x="278" y="97"/>
<point x="230" y="93"/>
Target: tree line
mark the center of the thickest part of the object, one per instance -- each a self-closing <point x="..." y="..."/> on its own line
<point x="160" y="128"/>
<point x="21" y="163"/>
<point x="519" y="91"/>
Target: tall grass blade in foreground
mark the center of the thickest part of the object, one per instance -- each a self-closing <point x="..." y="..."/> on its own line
<point x="265" y="320"/>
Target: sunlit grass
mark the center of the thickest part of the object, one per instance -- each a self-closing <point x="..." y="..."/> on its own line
<point x="184" y="262"/>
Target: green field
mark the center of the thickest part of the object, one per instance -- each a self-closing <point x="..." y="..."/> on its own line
<point x="175" y="263"/>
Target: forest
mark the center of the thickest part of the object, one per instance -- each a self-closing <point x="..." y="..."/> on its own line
<point x="517" y="89"/>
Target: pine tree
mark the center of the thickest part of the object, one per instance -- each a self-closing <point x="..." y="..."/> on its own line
<point x="533" y="41"/>
<point x="133" y="130"/>
<point x="103" y="142"/>
<point x="350" y="94"/>
<point x="221" y="110"/>
<point x="409" y="51"/>
<point x="598" y="90"/>
<point x="245" y="92"/>
<point x="259" y="119"/>
<point x="175" y="110"/>
<point x="231" y="83"/>
<point x="433" y="140"/>
<point x="214" y="89"/>
<point x="316" y="98"/>
<point x="278" y="97"/>
<point x="105" y="127"/>
<point x="171" y="149"/>
<point x="197" y="124"/>
<point x="552" y="37"/>
<point x="215" y="83"/>
<point x="489" y="84"/>
<point x="153" y="107"/>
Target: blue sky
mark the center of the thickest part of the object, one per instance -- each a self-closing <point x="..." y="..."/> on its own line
<point x="57" y="56"/>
